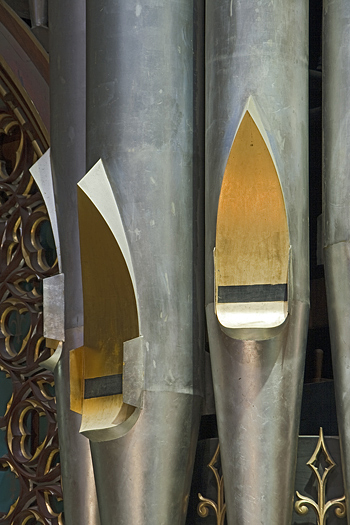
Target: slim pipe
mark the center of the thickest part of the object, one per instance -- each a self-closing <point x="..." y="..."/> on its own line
<point x="336" y="217"/>
<point x="67" y="100"/>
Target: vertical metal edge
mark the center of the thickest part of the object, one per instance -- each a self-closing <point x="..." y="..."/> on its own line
<point x="133" y="371"/>
<point x="146" y="478"/>
<point x="78" y="483"/>
<point x="53" y="307"/>
<point x="336" y="216"/>
<point x="68" y="164"/>
<point x="337" y="263"/>
<point x="258" y="417"/>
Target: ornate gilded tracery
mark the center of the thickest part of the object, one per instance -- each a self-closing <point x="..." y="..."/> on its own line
<point x="28" y="423"/>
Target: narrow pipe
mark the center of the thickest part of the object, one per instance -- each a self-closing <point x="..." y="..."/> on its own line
<point x="67" y="101"/>
<point x="336" y="216"/>
<point x="38" y="10"/>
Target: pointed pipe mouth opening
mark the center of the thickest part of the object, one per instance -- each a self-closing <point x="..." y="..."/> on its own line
<point x="251" y="257"/>
<point x="110" y="309"/>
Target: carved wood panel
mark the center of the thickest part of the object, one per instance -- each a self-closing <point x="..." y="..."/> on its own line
<point x="27" y="256"/>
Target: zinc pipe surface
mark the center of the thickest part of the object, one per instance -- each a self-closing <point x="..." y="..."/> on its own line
<point x="67" y="102"/>
<point x="257" y="101"/>
<point x="142" y="124"/>
<point x="336" y="216"/>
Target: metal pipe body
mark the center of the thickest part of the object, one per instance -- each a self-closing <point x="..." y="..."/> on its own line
<point x="39" y="21"/>
<point x="38" y="12"/>
<point x="140" y="122"/>
<point x="336" y="216"/>
<point x="256" y="63"/>
<point x="145" y="476"/>
<point x="68" y="149"/>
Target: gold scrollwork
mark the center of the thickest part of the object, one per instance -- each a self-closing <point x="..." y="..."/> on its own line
<point x="27" y="256"/>
<point x="206" y="503"/>
<point x="15" y="326"/>
<point x="322" y="506"/>
<point x="29" y="516"/>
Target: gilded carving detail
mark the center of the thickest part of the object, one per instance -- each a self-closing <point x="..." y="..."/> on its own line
<point x="321" y="507"/>
<point x="205" y="503"/>
<point x="27" y="256"/>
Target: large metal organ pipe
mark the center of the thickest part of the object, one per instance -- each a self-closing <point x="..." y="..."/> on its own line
<point x="257" y="278"/>
<point x="336" y="216"/>
<point x="141" y="402"/>
<point x="67" y="102"/>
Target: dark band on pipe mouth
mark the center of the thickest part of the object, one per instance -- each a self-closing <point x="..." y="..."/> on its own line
<point x="254" y="293"/>
<point x="103" y="386"/>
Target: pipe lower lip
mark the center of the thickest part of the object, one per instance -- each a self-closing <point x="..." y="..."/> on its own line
<point x="258" y="389"/>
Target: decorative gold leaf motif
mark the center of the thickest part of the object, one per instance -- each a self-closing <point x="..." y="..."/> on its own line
<point x="322" y="506"/>
<point x="205" y="503"/>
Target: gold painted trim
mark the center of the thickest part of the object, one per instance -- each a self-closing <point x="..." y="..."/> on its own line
<point x="23" y="108"/>
<point x="49" y="460"/>
<point x="43" y="391"/>
<point x="206" y="503"/>
<point x="12" y="508"/>
<point x="322" y="506"/>
<point x="49" y="508"/>
<point x="26" y="39"/>
<point x="12" y="308"/>
<point x="36" y="515"/>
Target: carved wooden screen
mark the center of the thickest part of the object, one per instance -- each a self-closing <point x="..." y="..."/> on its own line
<point x="29" y="464"/>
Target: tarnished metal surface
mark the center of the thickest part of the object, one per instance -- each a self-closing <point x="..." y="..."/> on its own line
<point x="134" y="353"/>
<point x="140" y="122"/>
<point x="336" y="116"/>
<point x="67" y="97"/>
<point x="336" y="120"/>
<point x="337" y="264"/>
<point x="38" y="12"/>
<point x="39" y="21"/>
<point x="254" y="54"/>
<point x="68" y="141"/>
<point x="258" y="386"/>
<point x="209" y="400"/>
<point x="53" y="296"/>
<point x="144" y="478"/>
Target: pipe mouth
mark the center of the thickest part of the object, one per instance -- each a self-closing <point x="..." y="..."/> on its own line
<point x="244" y="333"/>
<point x="115" y="432"/>
<point x="255" y="333"/>
<point x="251" y="256"/>
<point x="252" y="314"/>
